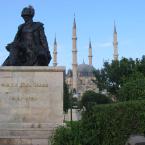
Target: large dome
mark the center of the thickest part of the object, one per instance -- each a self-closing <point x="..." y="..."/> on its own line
<point x="85" y="70"/>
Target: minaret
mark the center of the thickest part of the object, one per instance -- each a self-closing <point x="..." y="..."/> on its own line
<point x="55" y="53"/>
<point x="74" y="56"/>
<point x="115" y="43"/>
<point x="90" y="54"/>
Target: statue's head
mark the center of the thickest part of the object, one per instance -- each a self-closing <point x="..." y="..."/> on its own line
<point x="28" y="11"/>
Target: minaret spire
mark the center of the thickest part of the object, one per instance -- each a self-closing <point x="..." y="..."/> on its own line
<point x="115" y="43"/>
<point x="74" y="23"/>
<point x="74" y="55"/>
<point x="90" y="53"/>
<point x="115" y="27"/>
<point x="55" y="43"/>
<point x="55" y="53"/>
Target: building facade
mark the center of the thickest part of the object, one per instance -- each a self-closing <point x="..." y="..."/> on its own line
<point x="81" y="77"/>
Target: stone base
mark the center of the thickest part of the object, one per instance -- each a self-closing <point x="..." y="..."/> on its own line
<point x="36" y="135"/>
<point x="31" y="104"/>
<point x="22" y="141"/>
<point x="26" y="134"/>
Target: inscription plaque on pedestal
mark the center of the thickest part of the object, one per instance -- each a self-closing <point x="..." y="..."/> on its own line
<point x="31" y="102"/>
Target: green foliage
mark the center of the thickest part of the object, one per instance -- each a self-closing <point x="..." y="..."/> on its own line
<point x="90" y="98"/>
<point x="111" y="76"/>
<point x="110" y="124"/>
<point x="133" y="88"/>
<point x="67" y="135"/>
<point x="113" y="124"/>
<point x="66" y="98"/>
<point x="141" y="65"/>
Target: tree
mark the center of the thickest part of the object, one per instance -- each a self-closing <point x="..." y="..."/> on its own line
<point x="110" y="77"/>
<point x="66" y="98"/>
<point x="91" y="98"/>
<point x="141" y="65"/>
<point x="133" y="88"/>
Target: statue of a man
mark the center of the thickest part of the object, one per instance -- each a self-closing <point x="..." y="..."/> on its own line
<point x="30" y="47"/>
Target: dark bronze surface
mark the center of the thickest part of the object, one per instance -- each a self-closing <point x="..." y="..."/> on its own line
<point x="30" y="47"/>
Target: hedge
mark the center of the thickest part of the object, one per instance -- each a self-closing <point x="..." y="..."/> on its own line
<point x="67" y="135"/>
<point x="110" y="124"/>
<point x="113" y="124"/>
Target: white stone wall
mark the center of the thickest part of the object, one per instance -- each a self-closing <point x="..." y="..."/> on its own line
<point x="31" y="98"/>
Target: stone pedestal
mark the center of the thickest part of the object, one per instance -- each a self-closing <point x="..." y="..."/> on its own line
<point x="31" y="104"/>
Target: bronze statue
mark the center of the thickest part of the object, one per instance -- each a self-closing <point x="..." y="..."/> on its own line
<point x="30" y="47"/>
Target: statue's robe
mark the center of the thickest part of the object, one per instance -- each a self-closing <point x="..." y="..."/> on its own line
<point x="30" y="47"/>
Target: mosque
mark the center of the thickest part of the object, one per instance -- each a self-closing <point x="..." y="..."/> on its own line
<point x="81" y="77"/>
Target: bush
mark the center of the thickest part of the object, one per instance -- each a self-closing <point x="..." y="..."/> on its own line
<point x="68" y="135"/>
<point x="91" y="98"/>
<point x="110" y="124"/>
<point x="113" y="124"/>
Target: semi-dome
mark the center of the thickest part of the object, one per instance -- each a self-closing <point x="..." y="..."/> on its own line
<point x="85" y="70"/>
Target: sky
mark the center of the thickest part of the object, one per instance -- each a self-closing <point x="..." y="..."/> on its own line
<point x="94" y="20"/>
